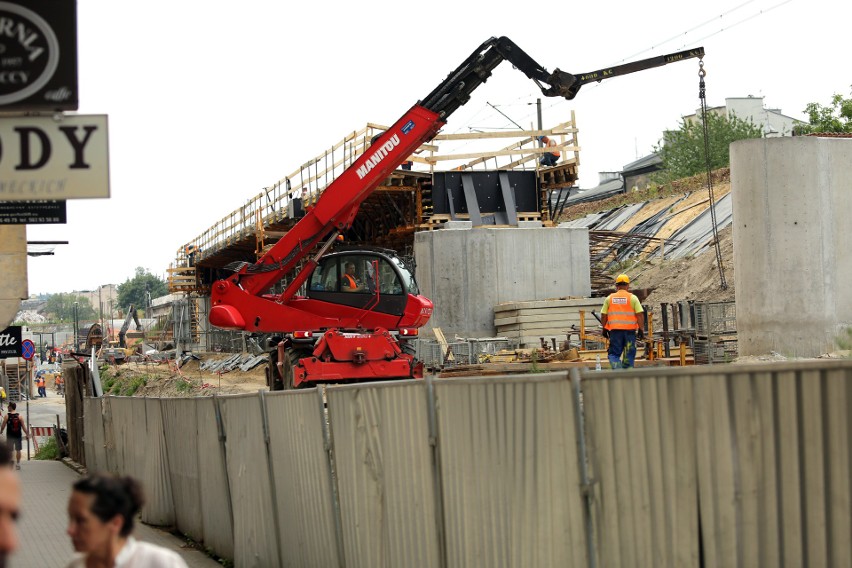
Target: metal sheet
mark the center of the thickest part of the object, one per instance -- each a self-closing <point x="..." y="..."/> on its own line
<point x="213" y="476"/>
<point x="181" y="427"/>
<point x="302" y="479"/>
<point x="775" y="465"/>
<point x="640" y="436"/>
<point x="386" y="479"/>
<point x="93" y="434"/>
<point x="159" y="507"/>
<point x="510" y="472"/>
<point x="255" y="540"/>
<point x="128" y="423"/>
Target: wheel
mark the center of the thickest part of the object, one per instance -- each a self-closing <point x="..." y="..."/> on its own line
<point x="273" y="380"/>
<point x="292" y="356"/>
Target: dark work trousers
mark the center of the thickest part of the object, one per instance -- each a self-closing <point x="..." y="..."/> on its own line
<point x="619" y="341"/>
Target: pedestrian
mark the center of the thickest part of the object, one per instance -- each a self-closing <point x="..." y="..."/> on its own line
<point x="2" y="399"/>
<point x="16" y="430"/>
<point x="101" y="511"/>
<point x="549" y="158"/>
<point x="623" y="320"/>
<point x="10" y="504"/>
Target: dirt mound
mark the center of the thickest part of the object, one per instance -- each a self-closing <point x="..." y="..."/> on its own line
<point x="166" y="380"/>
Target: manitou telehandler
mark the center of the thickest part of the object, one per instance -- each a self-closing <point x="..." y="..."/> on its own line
<point x="358" y="309"/>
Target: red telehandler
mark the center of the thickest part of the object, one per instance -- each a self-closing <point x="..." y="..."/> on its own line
<point x="359" y="308"/>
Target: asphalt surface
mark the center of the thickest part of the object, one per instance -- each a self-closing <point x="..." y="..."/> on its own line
<point x="43" y="541"/>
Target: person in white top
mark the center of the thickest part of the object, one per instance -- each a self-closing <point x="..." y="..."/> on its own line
<point x="101" y="511"/>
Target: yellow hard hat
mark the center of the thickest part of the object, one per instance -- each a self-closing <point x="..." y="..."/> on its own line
<point x="622" y="279"/>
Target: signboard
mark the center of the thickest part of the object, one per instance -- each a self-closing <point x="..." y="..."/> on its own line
<point x="38" y="55"/>
<point x="10" y="342"/>
<point x="32" y="212"/>
<point x="27" y="349"/>
<point x="54" y="158"/>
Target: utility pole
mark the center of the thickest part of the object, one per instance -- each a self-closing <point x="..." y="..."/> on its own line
<point x="538" y="110"/>
<point x="76" y="339"/>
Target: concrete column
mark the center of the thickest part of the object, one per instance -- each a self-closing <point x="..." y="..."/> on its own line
<point x="466" y="272"/>
<point x="792" y="217"/>
<point x="13" y="268"/>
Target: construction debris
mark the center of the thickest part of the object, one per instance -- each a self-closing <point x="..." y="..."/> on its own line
<point x="242" y="361"/>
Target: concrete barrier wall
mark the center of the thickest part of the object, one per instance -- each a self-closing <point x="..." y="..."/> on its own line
<point x="729" y="465"/>
<point x="466" y="272"/>
<point x="792" y="199"/>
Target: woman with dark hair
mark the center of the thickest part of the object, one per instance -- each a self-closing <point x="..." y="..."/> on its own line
<point x="101" y="512"/>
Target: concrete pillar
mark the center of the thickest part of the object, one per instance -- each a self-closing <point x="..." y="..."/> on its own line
<point x="13" y="268"/>
<point x="466" y="272"/>
<point x="792" y="202"/>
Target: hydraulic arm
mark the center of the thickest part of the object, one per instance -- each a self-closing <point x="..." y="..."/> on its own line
<point x="238" y="302"/>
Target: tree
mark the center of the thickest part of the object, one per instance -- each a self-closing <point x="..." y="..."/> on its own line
<point x="136" y="291"/>
<point x="682" y="151"/>
<point x="837" y="117"/>
<point x="61" y="307"/>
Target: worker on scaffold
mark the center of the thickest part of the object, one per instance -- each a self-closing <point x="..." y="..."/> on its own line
<point x="549" y="158"/>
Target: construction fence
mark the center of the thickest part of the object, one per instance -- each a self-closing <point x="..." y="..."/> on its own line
<point x="729" y="465"/>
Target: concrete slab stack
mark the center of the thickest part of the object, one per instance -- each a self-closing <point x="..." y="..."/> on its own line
<point x="466" y="272"/>
<point x="792" y="233"/>
<point x="527" y="322"/>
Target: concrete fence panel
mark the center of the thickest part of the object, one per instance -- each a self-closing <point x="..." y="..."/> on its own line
<point x="509" y="458"/>
<point x="255" y="536"/>
<point x="304" y="500"/>
<point x="217" y="518"/>
<point x="159" y="506"/>
<point x="385" y="471"/>
<point x="180" y="424"/>
<point x="640" y="434"/>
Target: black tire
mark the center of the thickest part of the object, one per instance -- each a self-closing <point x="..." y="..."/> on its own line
<point x="273" y="379"/>
<point x="291" y="358"/>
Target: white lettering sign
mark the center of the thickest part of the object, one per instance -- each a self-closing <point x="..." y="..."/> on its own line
<point x="45" y="158"/>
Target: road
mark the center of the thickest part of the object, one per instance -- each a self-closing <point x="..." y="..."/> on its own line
<point x="42" y="412"/>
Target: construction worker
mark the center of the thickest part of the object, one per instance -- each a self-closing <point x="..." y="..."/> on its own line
<point x="549" y="158"/>
<point x="349" y="282"/>
<point x="623" y="320"/>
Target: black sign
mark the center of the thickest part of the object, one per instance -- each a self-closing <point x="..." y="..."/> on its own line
<point x="32" y="212"/>
<point x="10" y="342"/>
<point x="38" y="55"/>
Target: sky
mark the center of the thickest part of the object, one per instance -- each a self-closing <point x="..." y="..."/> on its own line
<point x="209" y="102"/>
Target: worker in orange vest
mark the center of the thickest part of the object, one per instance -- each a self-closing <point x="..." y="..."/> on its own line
<point x="549" y="158"/>
<point x="623" y="320"/>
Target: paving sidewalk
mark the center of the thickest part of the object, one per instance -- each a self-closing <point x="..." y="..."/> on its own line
<point x="44" y="518"/>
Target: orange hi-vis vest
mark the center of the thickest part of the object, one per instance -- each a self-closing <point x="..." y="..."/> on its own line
<point x="552" y="144"/>
<point x="620" y="314"/>
<point x="352" y="283"/>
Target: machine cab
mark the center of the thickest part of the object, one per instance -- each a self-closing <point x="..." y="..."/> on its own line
<point x="353" y="278"/>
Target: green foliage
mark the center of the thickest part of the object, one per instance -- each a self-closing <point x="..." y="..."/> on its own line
<point x="48" y="450"/>
<point x="183" y="385"/>
<point x="61" y="307"/>
<point x="844" y="341"/>
<point x="836" y="117"/>
<point x="132" y="385"/>
<point x="683" y="150"/>
<point x="135" y="291"/>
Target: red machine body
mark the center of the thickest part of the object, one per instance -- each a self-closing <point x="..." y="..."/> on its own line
<point x="326" y="333"/>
